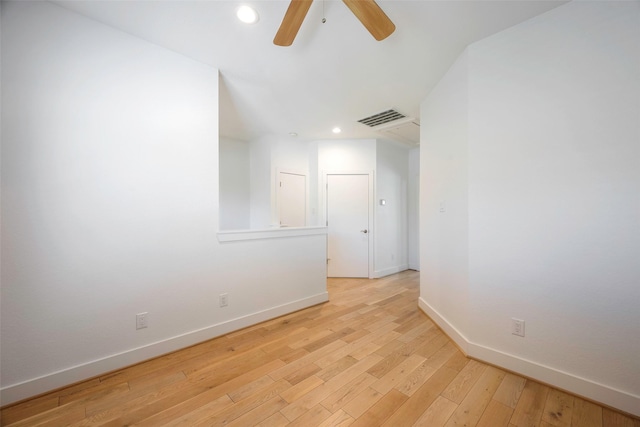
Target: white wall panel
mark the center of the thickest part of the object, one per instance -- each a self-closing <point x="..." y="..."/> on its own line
<point x="550" y="130"/>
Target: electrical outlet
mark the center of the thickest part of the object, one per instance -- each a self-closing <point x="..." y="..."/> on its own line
<point x="223" y="299"/>
<point x="517" y="327"/>
<point x="142" y="320"/>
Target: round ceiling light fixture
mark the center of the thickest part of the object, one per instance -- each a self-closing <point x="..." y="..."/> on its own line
<point x="336" y="130"/>
<point x="247" y="14"/>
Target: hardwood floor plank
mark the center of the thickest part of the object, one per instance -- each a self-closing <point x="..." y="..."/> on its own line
<point x="437" y="414"/>
<point x="178" y="403"/>
<point x="346" y="393"/>
<point x="530" y="406"/>
<point x="462" y="383"/>
<point x="312" y="417"/>
<point x="394" y="359"/>
<point x="314" y="397"/>
<point x="227" y="415"/>
<point x="60" y="415"/>
<point x="355" y="335"/>
<point x="476" y="401"/>
<point x="558" y="409"/>
<point x="309" y="338"/>
<point x="417" y="404"/>
<point x="288" y="355"/>
<point x="247" y="390"/>
<point x="616" y="419"/>
<point x="442" y="356"/>
<point x="259" y="413"/>
<point x="148" y="383"/>
<point x="208" y="409"/>
<point x="303" y="373"/>
<point x="297" y="391"/>
<point x="336" y="368"/>
<point x="227" y="368"/>
<point x="292" y="367"/>
<point x="364" y="351"/>
<point x="457" y="362"/>
<point x="347" y="349"/>
<point x="586" y="414"/>
<point x="380" y="412"/>
<point x="398" y="374"/>
<point x="431" y="346"/>
<point x="362" y="402"/>
<point x="102" y="410"/>
<point x="338" y="335"/>
<point x="276" y="420"/>
<point x="496" y="415"/>
<point x="28" y="409"/>
<point x="418" y="377"/>
<point x="338" y="419"/>
<point x="510" y="390"/>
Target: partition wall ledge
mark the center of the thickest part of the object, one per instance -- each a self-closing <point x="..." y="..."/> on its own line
<point x="270" y="233"/>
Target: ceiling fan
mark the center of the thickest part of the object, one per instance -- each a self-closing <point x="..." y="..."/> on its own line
<point x="367" y="11"/>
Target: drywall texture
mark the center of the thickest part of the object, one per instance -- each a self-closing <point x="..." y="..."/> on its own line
<point x="392" y="166"/>
<point x="110" y="207"/>
<point x="269" y="155"/>
<point x="413" y="209"/>
<point x="553" y="195"/>
<point x="235" y="192"/>
<point x="444" y="263"/>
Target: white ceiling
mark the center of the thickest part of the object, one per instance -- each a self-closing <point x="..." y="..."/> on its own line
<point x="334" y="73"/>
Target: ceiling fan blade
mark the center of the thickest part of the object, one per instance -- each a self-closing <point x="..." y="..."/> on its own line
<point x="291" y="22"/>
<point x="372" y="17"/>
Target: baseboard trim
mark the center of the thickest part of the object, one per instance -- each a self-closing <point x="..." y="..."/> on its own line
<point x="389" y="271"/>
<point x="46" y="383"/>
<point x="583" y="387"/>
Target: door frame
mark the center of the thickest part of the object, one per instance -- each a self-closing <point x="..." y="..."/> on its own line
<point x="323" y="207"/>
<point x="276" y="186"/>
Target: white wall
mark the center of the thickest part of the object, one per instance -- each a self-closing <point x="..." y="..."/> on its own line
<point x="235" y="189"/>
<point x="553" y="186"/>
<point x="444" y="270"/>
<point x="260" y="182"/>
<point x="110" y="207"/>
<point x="392" y="175"/>
<point x="341" y="156"/>
<point x="290" y="155"/>
<point x="347" y="154"/>
<point x="413" y="209"/>
<point x="270" y="154"/>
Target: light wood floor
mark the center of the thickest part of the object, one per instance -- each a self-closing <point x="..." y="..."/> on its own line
<point x="367" y="358"/>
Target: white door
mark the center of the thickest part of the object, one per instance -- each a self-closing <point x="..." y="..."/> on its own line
<point x="292" y="199"/>
<point x="348" y="225"/>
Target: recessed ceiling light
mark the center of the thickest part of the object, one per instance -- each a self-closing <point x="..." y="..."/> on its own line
<point x="336" y="130"/>
<point x="247" y="14"/>
<point x="293" y="134"/>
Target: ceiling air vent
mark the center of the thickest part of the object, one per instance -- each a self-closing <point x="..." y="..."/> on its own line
<point x="394" y="125"/>
<point x="382" y="118"/>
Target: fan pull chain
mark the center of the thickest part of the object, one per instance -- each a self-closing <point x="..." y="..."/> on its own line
<point x="323" y="15"/>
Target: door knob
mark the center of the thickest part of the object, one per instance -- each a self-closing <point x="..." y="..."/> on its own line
<point x="364" y="231"/>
